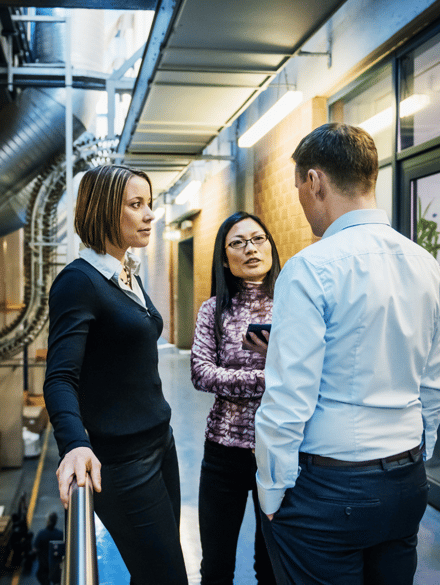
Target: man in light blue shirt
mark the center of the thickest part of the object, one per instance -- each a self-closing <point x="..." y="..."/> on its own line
<point x="352" y="400"/>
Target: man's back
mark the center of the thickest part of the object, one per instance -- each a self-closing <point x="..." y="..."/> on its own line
<point x="352" y="380"/>
<point x="380" y="300"/>
<point x="42" y="544"/>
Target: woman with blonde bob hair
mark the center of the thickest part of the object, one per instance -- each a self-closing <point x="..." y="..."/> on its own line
<point x="102" y="387"/>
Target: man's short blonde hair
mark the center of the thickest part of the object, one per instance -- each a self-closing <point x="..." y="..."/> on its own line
<point x="347" y="154"/>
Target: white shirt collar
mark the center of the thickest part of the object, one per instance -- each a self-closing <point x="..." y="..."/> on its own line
<point x="106" y="264"/>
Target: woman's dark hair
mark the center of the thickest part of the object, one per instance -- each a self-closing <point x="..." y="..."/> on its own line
<point x="224" y="285"/>
<point x="99" y="204"/>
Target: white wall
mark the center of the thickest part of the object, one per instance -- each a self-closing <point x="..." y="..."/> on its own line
<point x="358" y="29"/>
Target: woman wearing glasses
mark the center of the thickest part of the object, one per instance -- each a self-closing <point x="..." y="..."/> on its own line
<point x="244" y="269"/>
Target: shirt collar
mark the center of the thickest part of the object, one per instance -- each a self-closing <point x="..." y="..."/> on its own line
<point x="132" y="262"/>
<point x="357" y="217"/>
<point x="106" y="264"/>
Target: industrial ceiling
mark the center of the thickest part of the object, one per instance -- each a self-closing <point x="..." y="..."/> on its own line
<point x="204" y="63"/>
<point x="96" y="4"/>
<point x="214" y="60"/>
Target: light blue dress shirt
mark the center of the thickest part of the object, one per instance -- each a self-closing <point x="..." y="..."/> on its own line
<point x="353" y="363"/>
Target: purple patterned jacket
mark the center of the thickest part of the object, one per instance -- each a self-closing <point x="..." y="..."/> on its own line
<point x="234" y="375"/>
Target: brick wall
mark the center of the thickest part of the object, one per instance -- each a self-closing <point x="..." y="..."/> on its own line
<point x="276" y="199"/>
<point x="158" y="282"/>
<point x="217" y="203"/>
<point x="276" y="202"/>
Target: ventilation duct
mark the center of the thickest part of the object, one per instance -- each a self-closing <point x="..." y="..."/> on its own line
<point x="32" y="164"/>
<point x="40" y="235"/>
<point x="32" y="128"/>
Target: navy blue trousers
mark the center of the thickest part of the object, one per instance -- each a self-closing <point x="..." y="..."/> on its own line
<point x="140" y="506"/>
<point x="227" y="476"/>
<point x="349" y="526"/>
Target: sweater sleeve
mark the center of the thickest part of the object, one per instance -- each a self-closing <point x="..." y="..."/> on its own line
<point x="207" y="375"/>
<point x="71" y="314"/>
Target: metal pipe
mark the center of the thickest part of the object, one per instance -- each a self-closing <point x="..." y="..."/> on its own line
<point x="69" y="145"/>
<point x="25" y="369"/>
<point x="81" y="562"/>
<point x="33" y="126"/>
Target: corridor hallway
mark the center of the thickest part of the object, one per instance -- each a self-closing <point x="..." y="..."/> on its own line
<point x="190" y="409"/>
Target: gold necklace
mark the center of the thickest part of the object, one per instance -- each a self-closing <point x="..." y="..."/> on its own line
<point x="128" y="276"/>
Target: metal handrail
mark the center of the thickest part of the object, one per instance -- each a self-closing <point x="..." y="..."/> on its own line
<point x="81" y="561"/>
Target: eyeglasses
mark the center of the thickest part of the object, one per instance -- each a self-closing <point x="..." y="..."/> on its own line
<point x="256" y="241"/>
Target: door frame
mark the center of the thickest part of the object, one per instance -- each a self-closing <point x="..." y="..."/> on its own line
<point x="184" y="303"/>
<point x="417" y="167"/>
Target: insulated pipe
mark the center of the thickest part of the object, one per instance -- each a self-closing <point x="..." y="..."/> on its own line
<point x="33" y="163"/>
<point x="32" y="131"/>
<point x="33" y="128"/>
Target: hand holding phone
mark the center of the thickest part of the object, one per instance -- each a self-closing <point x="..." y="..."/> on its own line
<point x="259" y="346"/>
<point x="257" y="328"/>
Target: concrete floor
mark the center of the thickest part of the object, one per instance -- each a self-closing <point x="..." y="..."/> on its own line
<point x="190" y="409"/>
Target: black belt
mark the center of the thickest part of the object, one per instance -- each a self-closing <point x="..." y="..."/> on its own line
<point x="321" y="461"/>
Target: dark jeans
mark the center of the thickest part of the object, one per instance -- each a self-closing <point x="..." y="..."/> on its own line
<point x="140" y="506"/>
<point x="349" y="526"/>
<point x="227" y="475"/>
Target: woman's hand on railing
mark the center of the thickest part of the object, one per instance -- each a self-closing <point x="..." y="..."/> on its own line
<point x="81" y="559"/>
<point x="76" y="464"/>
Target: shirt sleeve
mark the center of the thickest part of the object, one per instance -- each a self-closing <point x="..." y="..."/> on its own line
<point x="71" y="314"/>
<point x="207" y="375"/>
<point x="294" y="366"/>
<point x="430" y="394"/>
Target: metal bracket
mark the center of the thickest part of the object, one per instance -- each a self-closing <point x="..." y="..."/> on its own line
<point x="110" y="85"/>
<point x="327" y="53"/>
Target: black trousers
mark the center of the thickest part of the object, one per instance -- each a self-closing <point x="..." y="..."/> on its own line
<point x="349" y="526"/>
<point x="227" y="475"/>
<point x="140" y="506"/>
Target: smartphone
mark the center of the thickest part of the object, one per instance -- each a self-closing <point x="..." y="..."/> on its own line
<point x="257" y="328"/>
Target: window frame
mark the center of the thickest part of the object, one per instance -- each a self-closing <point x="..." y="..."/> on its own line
<point x="397" y="159"/>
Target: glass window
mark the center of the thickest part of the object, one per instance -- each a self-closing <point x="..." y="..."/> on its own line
<point x="420" y="94"/>
<point x="371" y="106"/>
<point x="425" y="196"/>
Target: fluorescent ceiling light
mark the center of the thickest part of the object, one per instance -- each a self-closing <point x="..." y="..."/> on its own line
<point x="414" y="103"/>
<point x="158" y="213"/>
<point x="271" y="118"/>
<point x="409" y="106"/>
<point x="190" y="190"/>
<point x="378" y="122"/>
<point x="171" y="235"/>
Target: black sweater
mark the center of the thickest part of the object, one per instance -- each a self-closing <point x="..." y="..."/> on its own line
<point x="102" y="363"/>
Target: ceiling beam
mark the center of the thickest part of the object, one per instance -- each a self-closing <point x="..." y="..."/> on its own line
<point x="47" y="75"/>
<point x="164" y="16"/>
<point x="96" y="4"/>
<point x="152" y="156"/>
